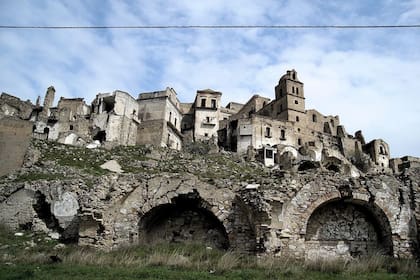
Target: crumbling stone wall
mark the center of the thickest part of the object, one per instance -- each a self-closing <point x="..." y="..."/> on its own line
<point x="343" y="228"/>
<point x="305" y="214"/>
<point x="15" y="135"/>
<point x="13" y="106"/>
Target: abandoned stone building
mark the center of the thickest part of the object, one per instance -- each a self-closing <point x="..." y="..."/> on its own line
<point x="278" y="132"/>
<point x="326" y="193"/>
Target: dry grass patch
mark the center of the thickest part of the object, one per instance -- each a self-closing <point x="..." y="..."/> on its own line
<point x="228" y="261"/>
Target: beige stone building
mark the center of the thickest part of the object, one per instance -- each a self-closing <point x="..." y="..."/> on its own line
<point x="279" y="132"/>
<point x="206" y="114"/>
<point x="160" y="118"/>
<point x="285" y="126"/>
<point x="114" y="118"/>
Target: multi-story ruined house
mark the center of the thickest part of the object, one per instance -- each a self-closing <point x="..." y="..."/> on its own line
<point x="278" y="132"/>
<point x="160" y="115"/>
<point x="284" y="129"/>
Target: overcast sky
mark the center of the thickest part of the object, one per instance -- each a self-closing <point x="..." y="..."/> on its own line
<point x="370" y="78"/>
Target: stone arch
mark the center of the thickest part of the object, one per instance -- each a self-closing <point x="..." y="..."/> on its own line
<point x="308" y="164"/>
<point x="293" y="151"/>
<point x="186" y="219"/>
<point x="347" y="227"/>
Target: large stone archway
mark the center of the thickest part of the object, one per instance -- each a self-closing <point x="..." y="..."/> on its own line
<point x="347" y="228"/>
<point x="187" y="219"/>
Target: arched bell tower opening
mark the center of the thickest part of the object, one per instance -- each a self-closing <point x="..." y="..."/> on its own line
<point x="185" y="220"/>
<point x="348" y="228"/>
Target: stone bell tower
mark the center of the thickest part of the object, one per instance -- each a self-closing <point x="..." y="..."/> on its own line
<point x="290" y="97"/>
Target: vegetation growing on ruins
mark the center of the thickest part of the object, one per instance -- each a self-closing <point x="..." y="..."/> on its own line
<point x="68" y="162"/>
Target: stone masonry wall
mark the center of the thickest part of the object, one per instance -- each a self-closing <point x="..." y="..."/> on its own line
<point x="174" y="196"/>
<point x="15" y="135"/>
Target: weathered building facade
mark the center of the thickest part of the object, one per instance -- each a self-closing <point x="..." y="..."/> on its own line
<point x="281" y="131"/>
<point x="330" y="194"/>
<point x="160" y="116"/>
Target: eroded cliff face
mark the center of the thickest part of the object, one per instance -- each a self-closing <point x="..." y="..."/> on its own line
<point x="215" y="199"/>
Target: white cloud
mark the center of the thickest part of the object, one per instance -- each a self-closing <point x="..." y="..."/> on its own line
<point x="411" y="14"/>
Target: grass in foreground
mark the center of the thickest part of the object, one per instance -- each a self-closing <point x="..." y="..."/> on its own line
<point x="29" y="257"/>
<point x="87" y="272"/>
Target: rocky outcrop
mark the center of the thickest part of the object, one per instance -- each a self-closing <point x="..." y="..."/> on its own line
<point x="220" y="200"/>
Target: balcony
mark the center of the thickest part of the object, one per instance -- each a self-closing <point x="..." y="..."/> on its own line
<point x="209" y="121"/>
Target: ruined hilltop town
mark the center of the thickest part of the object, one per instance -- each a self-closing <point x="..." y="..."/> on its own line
<point x="279" y="179"/>
<point x="277" y="131"/>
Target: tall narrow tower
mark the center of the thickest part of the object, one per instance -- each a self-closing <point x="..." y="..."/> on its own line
<point x="290" y="97"/>
<point x="48" y="103"/>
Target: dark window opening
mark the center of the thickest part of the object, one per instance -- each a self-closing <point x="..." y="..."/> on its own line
<point x="109" y="104"/>
<point x="299" y="141"/>
<point x="297" y="118"/>
<point x="293" y="89"/>
<point x="33" y="128"/>
<point x="327" y="128"/>
<point x="206" y="135"/>
<point x="382" y="150"/>
<point x="170" y="116"/>
<point x="267" y="132"/>
<point x="269" y="153"/>
<point x="213" y="103"/>
<point x="175" y="122"/>
<point x="71" y="127"/>
<point x="314" y="118"/>
<point x="294" y="76"/>
<point x="281" y="107"/>
<point x="207" y="119"/>
<point x="281" y="92"/>
<point x="203" y="102"/>
<point x="283" y="134"/>
<point x="47" y="131"/>
<point x="296" y="102"/>
<point x="297" y="90"/>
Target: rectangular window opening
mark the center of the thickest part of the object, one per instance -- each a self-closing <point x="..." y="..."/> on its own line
<point x="269" y="153"/>
<point x="213" y="103"/>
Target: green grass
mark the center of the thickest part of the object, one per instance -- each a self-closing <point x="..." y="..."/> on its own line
<point x="20" y="247"/>
<point x="177" y="261"/>
<point x="33" y="176"/>
<point x="87" y="272"/>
